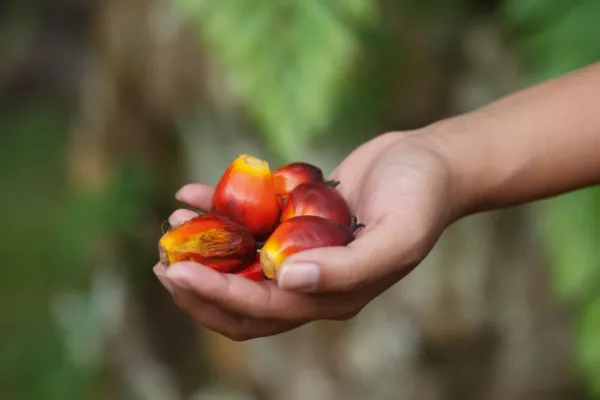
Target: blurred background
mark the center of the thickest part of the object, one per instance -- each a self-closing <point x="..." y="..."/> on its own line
<point x="108" y="107"/>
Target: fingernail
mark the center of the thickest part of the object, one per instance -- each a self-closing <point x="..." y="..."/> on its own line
<point x="178" y="195"/>
<point x="300" y="276"/>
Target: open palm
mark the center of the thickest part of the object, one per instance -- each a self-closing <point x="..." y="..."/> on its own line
<point x="397" y="184"/>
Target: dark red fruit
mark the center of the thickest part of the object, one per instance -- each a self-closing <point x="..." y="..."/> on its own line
<point x="290" y="176"/>
<point x="317" y="199"/>
<point x="298" y="234"/>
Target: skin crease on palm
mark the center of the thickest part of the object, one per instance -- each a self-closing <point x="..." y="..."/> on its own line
<point x="397" y="180"/>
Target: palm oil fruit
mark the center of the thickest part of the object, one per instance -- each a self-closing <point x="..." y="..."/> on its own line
<point x="254" y="272"/>
<point x="259" y="218"/>
<point x="209" y="239"/>
<point x="298" y="234"/>
<point x="290" y="176"/>
<point x="318" y="199"/>
<point x="246" y="195"/>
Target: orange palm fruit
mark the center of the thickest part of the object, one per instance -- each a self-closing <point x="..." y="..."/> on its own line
<point x="246" y="195"/>
<point x="254" y="272"/>
<point x="209" y="239"/>
<point x="318" y="199"/>
<point x="302" y="233"/>
<point x="290" y="176"/>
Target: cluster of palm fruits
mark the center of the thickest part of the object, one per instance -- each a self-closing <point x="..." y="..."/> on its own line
<point x="260" y="217"/>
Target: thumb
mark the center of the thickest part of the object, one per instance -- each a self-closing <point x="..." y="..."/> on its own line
<point x="381" y="251"/>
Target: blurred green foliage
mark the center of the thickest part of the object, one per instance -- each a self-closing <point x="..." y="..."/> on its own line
<point x="294" y="65"/>
<point x="555" y="36"/>
<point x="53" y="231"/>
<point x="33" y="360"/>
<point x="552" y="38"/>
<point x="288" y="60"/>
<point x="571" y="229"/>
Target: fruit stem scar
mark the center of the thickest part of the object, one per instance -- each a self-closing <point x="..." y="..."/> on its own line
<point x="163" y="256"/>
<point x="162" y="227"/>
<point x="354" y="225"/>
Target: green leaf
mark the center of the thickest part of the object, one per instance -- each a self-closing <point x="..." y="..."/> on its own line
<point x="556" y="36"/>
<point x="288" y="60"/>
<point x="588" y="346"/>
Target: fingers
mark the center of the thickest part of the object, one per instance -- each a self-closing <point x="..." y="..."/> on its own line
<point x="255" y="300"/>
<point x="215" y="318"/>
<point x="196" y="195"/>
<point x="382" y="250"/>
<point x="180" y="216"/>
<point x="159" y="270"/>
<point x="233" y="326"/>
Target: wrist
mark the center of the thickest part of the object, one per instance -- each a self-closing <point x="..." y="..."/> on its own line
<point x="454" y="142"/>
<point x="525" y="147"/>
<point x="443" y="159"/>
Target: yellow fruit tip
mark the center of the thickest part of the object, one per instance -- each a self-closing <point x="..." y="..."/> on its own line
<point x="268" y="265"/>
<point x="253" y="162"/>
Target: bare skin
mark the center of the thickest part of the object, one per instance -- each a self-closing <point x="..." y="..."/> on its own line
<point x="407" y="187"/>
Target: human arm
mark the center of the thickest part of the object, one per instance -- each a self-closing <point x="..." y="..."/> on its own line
<point x="536" y="143"/>
<point x="407" y="187"/>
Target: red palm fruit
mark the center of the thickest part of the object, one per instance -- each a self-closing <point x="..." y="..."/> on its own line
<point x="254" y="272"/>
<point x="209" y="239"/>
<point x="246" y="195"/>
<point x="290" y="176"/>
<point x="318" y="199"/>
<point x="302" y="233"/>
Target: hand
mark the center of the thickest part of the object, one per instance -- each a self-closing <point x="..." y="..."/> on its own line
<point x="398" y="184"/>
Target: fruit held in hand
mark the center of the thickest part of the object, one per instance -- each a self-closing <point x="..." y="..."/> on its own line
<point x="290" y="176"/>
<point x="318" y="199"/>
<point x="209" y="239"/>
<point x="246" y="195"/>
<point x="302" y="233"/>
<point x="246" y="214"/>
<point x="254" y="272"/>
